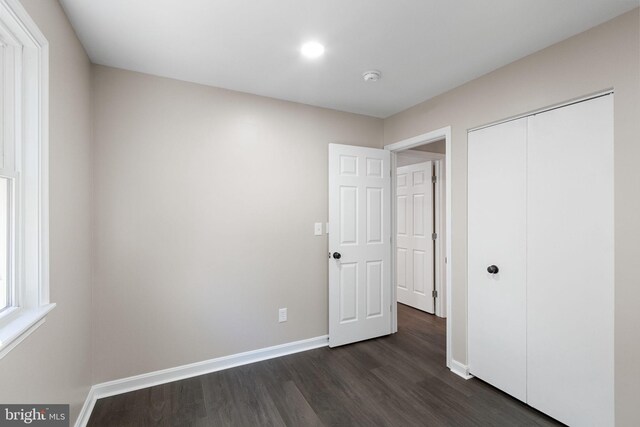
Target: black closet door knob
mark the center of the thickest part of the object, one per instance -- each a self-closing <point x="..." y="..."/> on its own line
<point x="493" y="269"/>
<point x="336" y="255"/>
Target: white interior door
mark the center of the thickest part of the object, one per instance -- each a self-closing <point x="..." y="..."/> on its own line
<point x="415" y="249"/>
<point x="497" y="208"/>
<point x="359" y="244"/>
<point x="570" y="263"/>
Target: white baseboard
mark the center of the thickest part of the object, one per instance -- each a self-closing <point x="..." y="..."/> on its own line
<point x="460" y="369"/>
<point x="85" y="412"/>
<point x="151" y="379"/>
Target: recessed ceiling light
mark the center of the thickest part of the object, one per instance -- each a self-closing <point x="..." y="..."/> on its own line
<point x="312" y="50"/>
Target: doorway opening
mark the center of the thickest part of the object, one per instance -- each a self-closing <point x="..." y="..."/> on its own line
<point x="421" y="226"/>
<point x="420" y="244"/>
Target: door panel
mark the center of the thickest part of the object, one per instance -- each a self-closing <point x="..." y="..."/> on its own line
<point x="401" y="262"/>
<point x="374" y="289"/>
<point x="415" y="256"/>
<point x="570" y="263"/>
<point x="419" y="213"/>
<point x="348" y="292"/>
<point x="496" y="236"/>
<point x="401" y="206"/>
<point x="374" y="215"/>
<point x="419" y="267"/>
<point x="359" y="230"/>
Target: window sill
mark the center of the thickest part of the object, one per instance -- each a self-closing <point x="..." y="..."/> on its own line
<point x="21" y="326"/>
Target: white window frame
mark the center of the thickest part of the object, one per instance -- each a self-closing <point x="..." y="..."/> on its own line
<point x="26" y="162"/>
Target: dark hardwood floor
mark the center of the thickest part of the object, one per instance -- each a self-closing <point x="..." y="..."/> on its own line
<point x="399" y="380"/>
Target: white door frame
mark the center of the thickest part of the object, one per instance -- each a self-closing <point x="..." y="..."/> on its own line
<point x="426" y="138"/>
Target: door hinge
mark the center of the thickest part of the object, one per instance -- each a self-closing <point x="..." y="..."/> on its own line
<point x="434" y="179"/>
<point x="434" y="236"/>
<point x="434" y="293"/>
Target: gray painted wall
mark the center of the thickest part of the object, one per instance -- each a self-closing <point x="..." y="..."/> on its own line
<point x="53" y="365"/>
<point x="205" y="205"/>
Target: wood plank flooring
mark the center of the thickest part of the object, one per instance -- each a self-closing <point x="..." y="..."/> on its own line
<point x="399" y="380"/>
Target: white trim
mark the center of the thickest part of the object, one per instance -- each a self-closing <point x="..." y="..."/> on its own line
<point x="151" y="379"/>
<point x="460" y="370"/>
<point x="543" y="109"/>
<point x="23" y="322"/>
<point x="87" y="408"/>
<point x="426" y="138"/>
<point x="31" y="186"/>
<point x="416" y="141"/>
<point x="441" y="246"/>
<point x="422" y="155"/>
<point x="394" y="238"/>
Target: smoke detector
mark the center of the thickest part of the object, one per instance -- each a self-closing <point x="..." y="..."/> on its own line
<point x="371" y="76"/>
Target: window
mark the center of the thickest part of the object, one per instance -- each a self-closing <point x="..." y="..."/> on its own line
<point x="24" y="243"/>
<point x="6" y="249"/>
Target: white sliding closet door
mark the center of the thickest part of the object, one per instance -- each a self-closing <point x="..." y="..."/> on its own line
<point x="570" y="264"/>
<point x="497" y="226"/>
<point x="415" y="256"/>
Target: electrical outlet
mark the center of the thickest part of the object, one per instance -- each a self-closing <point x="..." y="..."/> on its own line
<point x="282" y="315"/>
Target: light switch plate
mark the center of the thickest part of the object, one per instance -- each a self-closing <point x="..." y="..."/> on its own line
<point x="317" y="230"/>
<point x="282" y="315"/>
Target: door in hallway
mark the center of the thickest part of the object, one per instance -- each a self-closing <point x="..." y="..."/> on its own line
<point x="415" y="236"/>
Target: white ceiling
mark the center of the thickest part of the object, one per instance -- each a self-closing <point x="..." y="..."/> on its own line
<point x="422" y="47"/>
